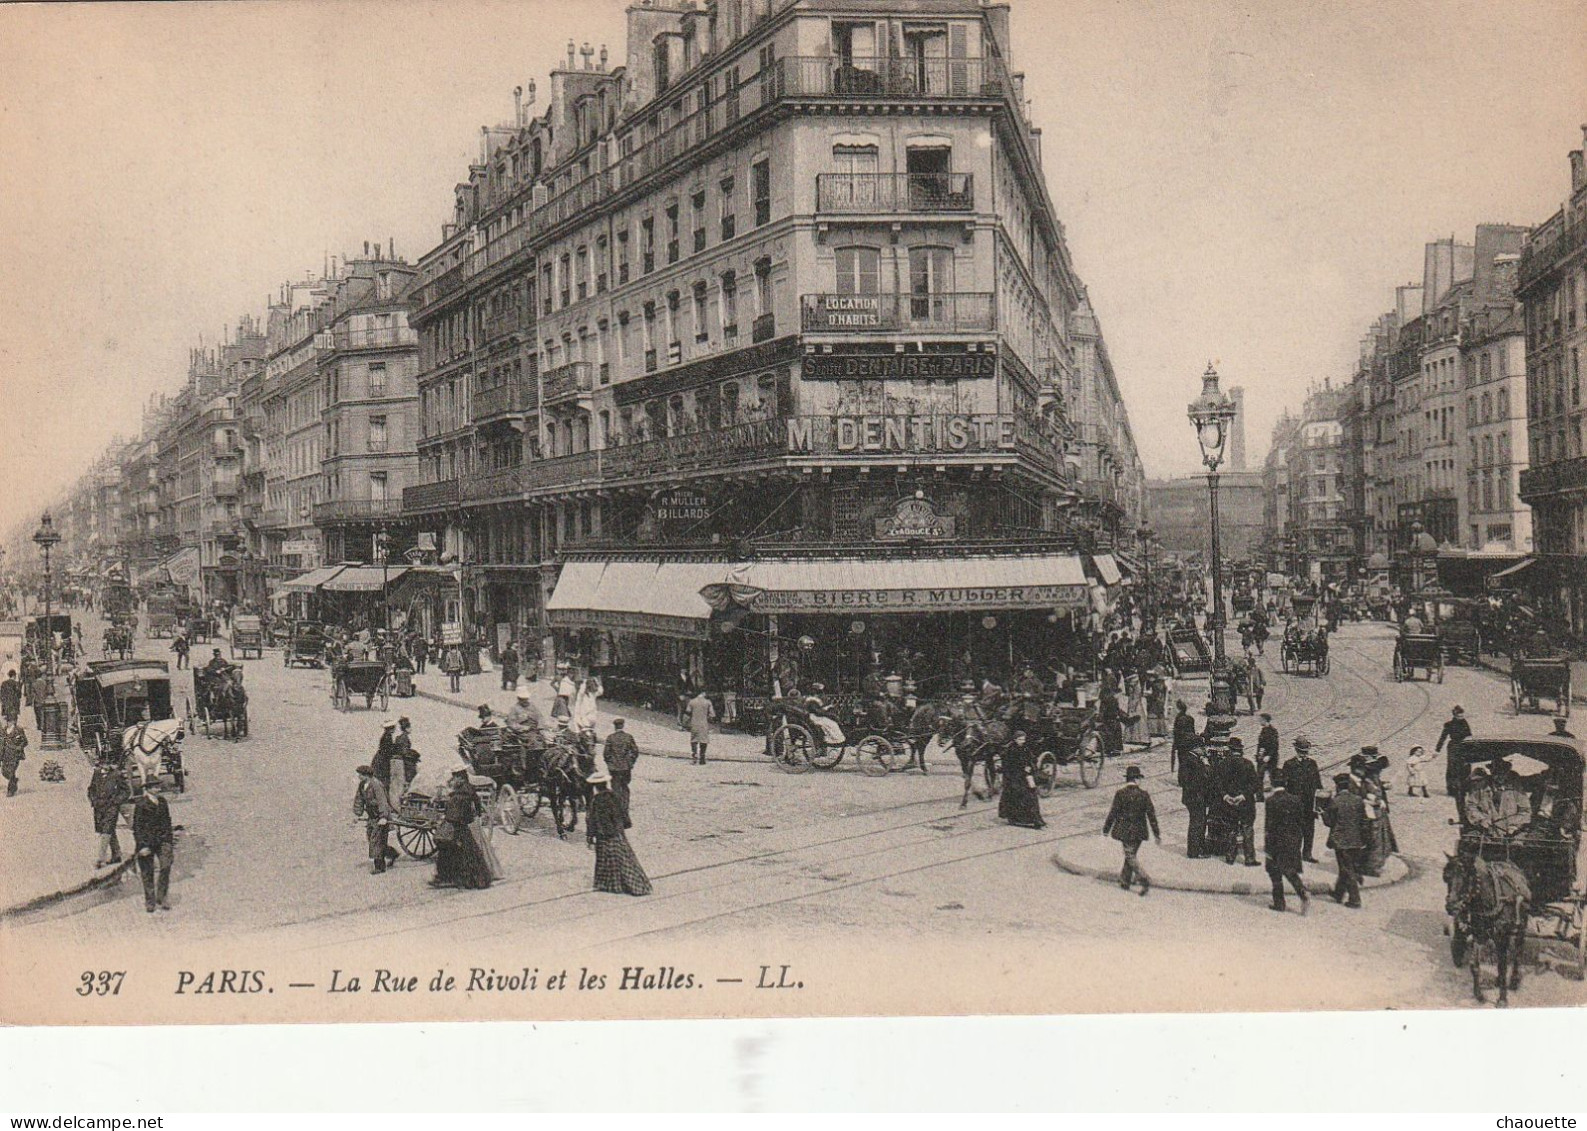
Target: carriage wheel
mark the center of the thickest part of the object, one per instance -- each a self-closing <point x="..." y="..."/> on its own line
<point x="1091" y="756"/>
<point x="898" y="755"/>
<point x="791" y="747"/>
<point x="875" y="755"/>
<point x="508" y="812"/>
<point x="824" y="755"/>
<point x="1045" y="771"/>
<point x="417" y="841"/>
<point x="1457" y="946"/>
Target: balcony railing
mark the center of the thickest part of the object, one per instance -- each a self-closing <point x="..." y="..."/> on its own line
<point x="226" y="488"/>
<point x="579" y="469"/>
<point x="713" y="448"/>
<point x="566" y="382"/>
<point x="372" y="338"/>
<point x="357" y="510"/>
<point x="955" y="313"/>
<point x="1552" y="478"/>
<point x="502" y="483"/>
<point x="1547" y="247"/>
<point x="764" y="328"/>
<point x="272" y="517"/>
<point x="430" y="496"/>
<point x="894" y="192"/>
<point x="894" y="78"/>
<point x="504" y="400"/>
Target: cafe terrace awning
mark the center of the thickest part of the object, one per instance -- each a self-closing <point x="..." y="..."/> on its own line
<point x="312" y="580"/>
<point x="1107" y="569"/>
<point x="660" y="598"/>
<point x="362" y="579"/>
<point x="1512" y="571"/>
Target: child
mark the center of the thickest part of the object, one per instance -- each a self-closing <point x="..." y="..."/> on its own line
<point x="1414" y="778"/>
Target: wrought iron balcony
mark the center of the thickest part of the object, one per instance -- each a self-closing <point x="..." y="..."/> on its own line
<point x="953" y="313"/>
<point x="430" y="496"/>
<point x="577" y="470"/>
<point x="356" y="510"/>
<point x="764" y="328"/>
<point x="889" y="77"/>
<point x="1554" y="478"/>
<point x="371" y="338"/>
<point x="566" y="382"/>
<point x="706" y="449"/>
<point x="510" y="399"/>
<point x="894" y="192"/>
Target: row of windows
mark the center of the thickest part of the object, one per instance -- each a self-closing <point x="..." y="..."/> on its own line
<point x="1488" y="408"/>
<point x="1489" y="490"/>
<point x="1547" y="388"/>
<point x="1486" y="453"/>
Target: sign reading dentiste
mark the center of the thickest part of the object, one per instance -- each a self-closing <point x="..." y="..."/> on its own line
<point x="923" y="600"/>
<point x="923" y="434"/>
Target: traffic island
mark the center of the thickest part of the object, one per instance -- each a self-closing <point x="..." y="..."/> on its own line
<point x="1101" y="857"/>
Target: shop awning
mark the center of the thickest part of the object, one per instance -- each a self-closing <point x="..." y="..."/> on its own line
<point x="661" y="598"/>
<point x="1512" y="571"/>
<point x="919" y="585"/>
<point x="153" y="574"/>
<point x="312" y="580"/>
<point x="1107" y="569"/>
<point x="363" y="579"/>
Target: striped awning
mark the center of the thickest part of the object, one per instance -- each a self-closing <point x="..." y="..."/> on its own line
<point x="660" y="598"/>
<point x="312" y="580"/>
<point x="1107" y="569"/>
<point x="363" y="579"/>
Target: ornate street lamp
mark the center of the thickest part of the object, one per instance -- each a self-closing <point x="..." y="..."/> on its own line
<point x="383" y="548"/>
<point x="46" y="538"/>
<point x="1211" y="414"/>
<point x="1148" y="616"/>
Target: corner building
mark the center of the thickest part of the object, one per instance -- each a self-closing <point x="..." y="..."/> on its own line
<point x="788" y="304"/>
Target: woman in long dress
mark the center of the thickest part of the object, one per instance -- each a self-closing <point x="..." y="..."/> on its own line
<point x="617" y="869"/>
<point x="458" y="860"/>
<point x="1381" y="843"/>
<point x="1019" y="804"/>
<point x="1135" y="712"/>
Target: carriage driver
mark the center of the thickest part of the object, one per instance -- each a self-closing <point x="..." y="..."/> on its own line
<point x="217" y="663"/>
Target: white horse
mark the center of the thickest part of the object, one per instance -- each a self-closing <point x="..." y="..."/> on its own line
<point x="146" y="744"/>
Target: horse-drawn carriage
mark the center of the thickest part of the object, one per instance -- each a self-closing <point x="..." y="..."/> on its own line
<point x="1539" y="671"/>
<point x="164" y="618"/>
<point x="1514" y="871"/>
<point x="1305" y="649"/>
<point x="306" y="646"/>
<point x="369" y="678"/>
<point x="247" y="635"/>
<point x="523" y="773"/>
<point x="1424" y="650"/>
<point x="1462" y="642"/>
<point x="219" y="698"/>
<point x="116" y="695"/>
<point x="805" y="735"/>
<point x="118" y="641"/>
<point x="1072" y="737"/>
<point x="202" y="628"/>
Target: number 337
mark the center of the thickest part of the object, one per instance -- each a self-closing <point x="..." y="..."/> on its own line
<point x="103" y="983"/>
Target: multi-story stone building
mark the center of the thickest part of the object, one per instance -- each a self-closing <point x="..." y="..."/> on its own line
<point x="785" y="294"/>
<point x="1553" y="290"/>
<point x="1278" y="520"/>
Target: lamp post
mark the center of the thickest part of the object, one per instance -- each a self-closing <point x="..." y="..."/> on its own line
<point x="1211" y="415"/>
<point x="1148" y="614"/>
<point x="46" y="538"/>
<point x="383" y="548"/>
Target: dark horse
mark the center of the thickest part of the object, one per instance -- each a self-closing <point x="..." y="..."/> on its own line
<point x="976" y="741"/>
<point x="563" y="781"/>
<point x="1489" y="902"/>
<point x="227" y="704"/>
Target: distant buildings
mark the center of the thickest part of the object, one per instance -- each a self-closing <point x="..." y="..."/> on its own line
<point x="1179" y="516"/>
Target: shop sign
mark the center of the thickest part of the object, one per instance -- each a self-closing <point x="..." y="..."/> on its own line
<point x="680" y="506"/>
<point x="923" y="600"/>
<point x="915" y="519"/>
<point x="914" y="434"/>
<point x="912" y="366"/>
<point x="451" y="633"/>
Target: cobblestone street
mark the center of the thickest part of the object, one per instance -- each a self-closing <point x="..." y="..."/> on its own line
<point x="271" y="857"/>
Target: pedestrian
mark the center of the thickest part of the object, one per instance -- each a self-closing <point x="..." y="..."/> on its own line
<point x="1559" y="731"/>
<point x="1283" y="835"/>
<point x="452" y="665"/>
<point x="381" y="765"/>
<point x="1128" y="822"/>
<point x="1194" y="784"/>
<point x="421" y="653"/>
<point x="1455" y="733"/>
<point x="1345" y="815"/>
<point x="1234" y="793"/>
<point x="181" y="647"/>
<point x="1184" y="734"/>
<point x="1381" y="842"/>
<point x="1019" y="804"/>
<point x="13" y="752"/>
<point x="1255" y="687"/>
<point x="585" y="711"/>
<point x="1416" y="771"/>
<point x="1302" y="777"/>
<point x="1266" y="752"/>
<point x="372" y="803"/>
<point x="11" y="697"/>
<point x="458" y="860"/>
<point x="108" y="791"/>
<point x="509" y="668"/>
<point x="155" y="842"/>
<point x="404" y="760"/>
<point x="700" y="713"/>
<point x="617" y="869"/>
<point x="563" y="688"/>
<point x="621" y="753"/>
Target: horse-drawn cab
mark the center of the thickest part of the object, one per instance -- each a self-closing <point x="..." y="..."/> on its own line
<point x="810" y="734"/>
<point x="1418" y="650"/>
<point x="1539" y="670"/>
<point x="219" y="698"/>
<point x="1304" y="648"/>
<point x="1514" y="869"/>
<point x="118" y="698"/>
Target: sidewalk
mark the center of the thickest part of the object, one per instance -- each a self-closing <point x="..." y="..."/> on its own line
<point x="1171" y="870"/>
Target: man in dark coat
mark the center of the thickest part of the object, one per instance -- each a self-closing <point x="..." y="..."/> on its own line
<point x="509" y="668"/>
<point x="11" y="697"/>
<point x="13" y="751"/>
<point x="1184" y="734"/>
<point x="1234" y="792"/>
<point x="1194" y="774"/>
<point x="1128" y="822"/>
<point x="107" y="792"/>
<point x="1346" y="818"/>
<point x="1455" y="733"/>
<point x="1267" y="751"/>
<point x="1282" y="837"/>
<point x="372" y="802"/>
<point x="622" y="752"/>
<point x="155" y="842"/>
<point x="1303" y="779"/>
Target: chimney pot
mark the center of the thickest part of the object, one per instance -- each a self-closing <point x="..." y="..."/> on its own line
<point x="571" y="51"/>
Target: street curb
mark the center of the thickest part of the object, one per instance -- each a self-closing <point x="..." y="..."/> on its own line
<point x="1259" y="884"/>
<point x="679" y="755"/>
<point x="93" y="883"/>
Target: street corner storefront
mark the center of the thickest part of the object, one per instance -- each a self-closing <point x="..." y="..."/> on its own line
<point x="355" y="596"/>
<point x="845" y="625"/>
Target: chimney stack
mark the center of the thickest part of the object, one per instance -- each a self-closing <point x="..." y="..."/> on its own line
<point x="570" y="54"/>
<point x="517" y="106"/>
<point x="603" y="59"/>
<point x="589" y="53"/>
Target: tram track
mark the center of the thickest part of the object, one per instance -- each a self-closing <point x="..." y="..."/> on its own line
<point x="817" y="860"/>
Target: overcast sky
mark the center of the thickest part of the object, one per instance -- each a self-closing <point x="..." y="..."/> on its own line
<point x="1239" y="182"/>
